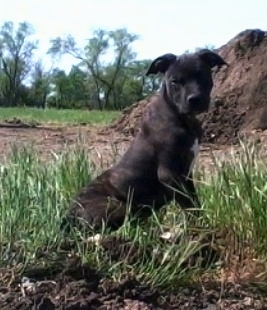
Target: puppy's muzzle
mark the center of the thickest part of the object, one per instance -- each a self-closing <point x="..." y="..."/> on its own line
<point x="197" y="104"/>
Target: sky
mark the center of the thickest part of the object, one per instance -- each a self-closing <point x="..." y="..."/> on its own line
<point x="163" y="26"/>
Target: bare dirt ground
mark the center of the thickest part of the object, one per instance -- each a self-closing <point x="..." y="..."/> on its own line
<point x="105" y="146"/>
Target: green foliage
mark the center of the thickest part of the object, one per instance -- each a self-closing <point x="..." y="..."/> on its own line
<point x="31" y="210"/>
<point x="94" y="83"/>
<point x="68" y="91"/>
<point x="108" y="75"/>
<point x="41" y="85"/>
<point x="235" y="198"/>
<point x="107" y="85"/>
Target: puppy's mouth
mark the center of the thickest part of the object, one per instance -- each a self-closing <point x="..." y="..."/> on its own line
<point x="190" y="114"/>
<point x="193" y="112"/>
<point x="189" y="120"/>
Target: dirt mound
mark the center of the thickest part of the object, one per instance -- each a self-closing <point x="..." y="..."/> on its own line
<point x="239" y="96"/>
<point x="131" y="117"/>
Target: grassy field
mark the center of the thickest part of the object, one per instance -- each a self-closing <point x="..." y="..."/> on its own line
<point x="49" y="116"/>
<point x="35" y="196"/>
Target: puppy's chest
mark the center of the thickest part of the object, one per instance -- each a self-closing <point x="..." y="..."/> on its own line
<point x="194" y="151"/>
<point x="195" y="148"/>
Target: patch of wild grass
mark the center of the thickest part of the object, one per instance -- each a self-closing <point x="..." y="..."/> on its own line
<point x="34" y="196"/>
<point x="235" y="198"/>
<point x="143" y="253"/>
<point x="33" y="200"/>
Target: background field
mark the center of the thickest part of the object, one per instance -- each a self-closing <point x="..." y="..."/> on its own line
<point x="55" y="116"/>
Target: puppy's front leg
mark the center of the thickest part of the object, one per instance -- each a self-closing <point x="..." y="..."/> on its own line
<point x="190" y="187"/>
<point x="178" y="187"/>
<point x="173" y="184"/>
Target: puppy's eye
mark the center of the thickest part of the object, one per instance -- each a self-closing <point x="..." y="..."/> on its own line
<point x="178" y="81"/>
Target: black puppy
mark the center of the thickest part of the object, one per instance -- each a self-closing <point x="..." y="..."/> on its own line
<point x="158" y="164"/>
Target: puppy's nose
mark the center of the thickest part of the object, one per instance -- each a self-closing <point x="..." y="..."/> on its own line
<point x="194" y="100"/>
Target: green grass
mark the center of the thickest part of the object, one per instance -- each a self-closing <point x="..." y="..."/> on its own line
<point x="58" y="116"/>
<point x="34" y="196"/>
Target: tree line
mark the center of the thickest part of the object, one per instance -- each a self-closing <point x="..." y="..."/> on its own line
<point x="94" y="83"/>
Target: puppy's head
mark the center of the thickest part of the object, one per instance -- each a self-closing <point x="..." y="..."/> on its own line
<point x="188" y="79"/>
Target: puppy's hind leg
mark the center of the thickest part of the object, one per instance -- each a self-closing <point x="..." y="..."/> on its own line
<point x="95" y="212"/>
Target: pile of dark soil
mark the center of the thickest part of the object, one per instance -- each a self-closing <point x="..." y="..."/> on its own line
<point x="68" y="283"/>
<point x="81" y="287"/>
<point x="239" y="96"/>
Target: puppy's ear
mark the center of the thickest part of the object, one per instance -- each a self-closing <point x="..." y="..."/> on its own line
<point x="212" y="59"/>
<point x="161" y="64"/>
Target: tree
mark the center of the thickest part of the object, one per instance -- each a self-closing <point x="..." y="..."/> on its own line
<point x="123" y="57"/>
<point x="103" y="78"/>
<point x="68" y="90"/>
<point x="89" y="56"/>
<point x="41" y="84"/>
<point x="78" y="81"/>
<point x="16" y="52"/>
<point x="147" y="84"/>
<point x="61" y="90"/>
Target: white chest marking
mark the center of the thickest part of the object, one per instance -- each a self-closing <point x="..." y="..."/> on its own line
<point x="195" y="150"/>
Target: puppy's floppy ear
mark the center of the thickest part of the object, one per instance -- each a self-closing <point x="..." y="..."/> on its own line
<point x="212" y="59"/>
<point x="161" y="64"/>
